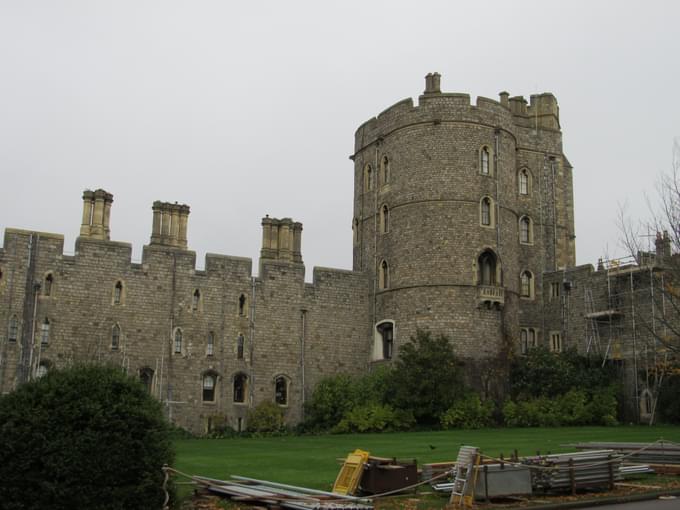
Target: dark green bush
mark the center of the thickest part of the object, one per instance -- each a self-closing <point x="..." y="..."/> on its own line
<point x="266" y="417"/>
<point x="84" y="437"/>
<point x="468" y="412"/>
<point x="374" y="417"/>
<point x="330" y="400"/>
<point x="427" y="378"/>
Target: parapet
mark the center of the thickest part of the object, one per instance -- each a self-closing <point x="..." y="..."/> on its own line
<point x="96" y="214"/>
<point x="170" y="223"/>
<point x="435" y="106"/>
<point x="281" y="240"/>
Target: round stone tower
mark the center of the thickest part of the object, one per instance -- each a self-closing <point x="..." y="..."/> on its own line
<point x="458" y="210"/>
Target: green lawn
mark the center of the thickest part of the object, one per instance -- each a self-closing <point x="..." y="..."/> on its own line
<point x="310" y="461"/>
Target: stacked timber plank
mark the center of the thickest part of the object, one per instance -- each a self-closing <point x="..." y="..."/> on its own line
<point x="660" y="452"/>
<point x="571" y="471"/>
<point x="273" y="494"/>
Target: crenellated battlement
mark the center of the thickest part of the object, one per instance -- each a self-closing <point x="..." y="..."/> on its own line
<point x="434" y="106"/>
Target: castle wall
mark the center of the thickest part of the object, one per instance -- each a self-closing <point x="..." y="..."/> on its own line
<point x="157" y="299"/>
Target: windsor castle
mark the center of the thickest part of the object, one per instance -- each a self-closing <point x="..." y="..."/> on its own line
<point x="463" y="224"/>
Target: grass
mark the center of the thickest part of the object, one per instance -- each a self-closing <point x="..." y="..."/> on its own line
<point x="310" y="461"/>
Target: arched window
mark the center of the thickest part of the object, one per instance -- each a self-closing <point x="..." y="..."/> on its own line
<point x="532" y="339"/>
<point x="240" y="346"/>
<point x="384" y="171"/>
<point x="146" y="378"/>
<point x="209" y="384"/>
<point x="43" y="368"/>
<point x="525" y="230"/>
<point x="49" y="281"/>
<point x="355" y="230"/>
<point x="526" y="281"/>
<point x="486" y="212"/>
<point x="196" y="300"/>
<point x="242" y="305"/>
<point x="118" y="293"/>
<point x="646" y="402"/>
<point x="240" y="387"/>
<point x="281" y="390"/>
<point x="178" y="341"/>
<point x="386" y="331"/>
<point x="384" y="219"/>
<point x="523" y="181"/>
<point x="13" y="330"/>
<point x="384" y="277"/>
<point x="368" y="178"/>
<point x="486" y="268"/>
<point x="484" y="158"/>
<point x="523" y="341"/>
<point x="45" y="331"/>
<point x="210" y="346"/>
<point x="115" y="337"/>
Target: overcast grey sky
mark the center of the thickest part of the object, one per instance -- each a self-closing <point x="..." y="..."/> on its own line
<point x="242" y="109"/>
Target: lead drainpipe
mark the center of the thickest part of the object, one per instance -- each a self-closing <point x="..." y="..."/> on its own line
<point x="251" y="347"/>
<point x="303" y="333"/>
<point x="498" y="198"/>
<point x="554" y="207"/>
<point x="376" y="269"/>
<point x="29" y="369"/>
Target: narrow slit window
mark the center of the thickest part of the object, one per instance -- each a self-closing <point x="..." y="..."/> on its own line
<point x="240" y="382"/>
<point x="242" y="305"/>
<point x="209" y="388"/>
<point x="118" y="293"/>
<point x="178" y="341"/>
<point x="486" y="211"/>
<point x="13" y="330"/>
<point x="49" y="281"/>
<point x="195" y="300"/>
<point x="281" y="391"/>
<point x="45" y="331"/>
<point x="484" y="156"/>
<point x="240" y="346"/>
<point x="210" y="347"/>
<point x="115" y="338"/>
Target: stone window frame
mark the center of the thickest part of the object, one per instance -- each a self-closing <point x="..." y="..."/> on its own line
<point x="383" y="275"/>
<point x="524" y="182"/>
<point x="196" y="300"/>
<point x="383" y="348"/>
<point x="495" y="272"/>
<point x="44" y="366"/>
<point x="485" y="159"/>
<point x="177" y="340"/>
<point x="384" y="219"/>
<point x="209" y="386"/>
<point x="242" y="305"/>
<point x="487" y="218"/>
<point x="528" y="339"/>
<point x="118" y="293"/>
<point x="48" y="284"/>
<point x="555" y="291"/>
<point x="385" y="168"/>
<point x="240" y="346"/>
<point x="116" y="336"/>
<point x="556" y="342"/>
<point x="646" y="402"/>
<point x="526" y="284"/>
<point x="147" y="373"/>
<point x="525" y="230"/>
<point x="355" y="231"/>
<point x="13" y="329"/>
<point x="45" y="327"/>
<point x="368" y="177"/>
<point x="285" y="401"/>
<point x="240" y="398"/>
<point x="210" y="344"/>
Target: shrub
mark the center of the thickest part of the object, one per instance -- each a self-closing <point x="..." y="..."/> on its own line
<point x="266" y="417"/>
<point x="330" y="400"/>
<point x="84" y="437"/>
<point x="468" y="412"/>
<point x="426" y="378"/>
<point x="374" y="417"/>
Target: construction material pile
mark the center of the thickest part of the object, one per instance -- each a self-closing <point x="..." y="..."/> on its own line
<point x="571" y="471"/>
<point x="249" y="490"/>
<point x="660" y="452"/>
